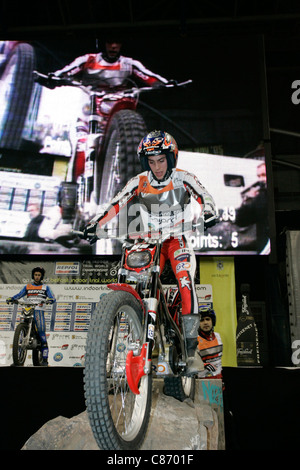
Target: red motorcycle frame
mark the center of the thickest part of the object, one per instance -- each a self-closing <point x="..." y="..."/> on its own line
<point x="135" y="333"/>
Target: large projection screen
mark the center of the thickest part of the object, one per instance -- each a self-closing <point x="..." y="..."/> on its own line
<point x="217" y="121"/>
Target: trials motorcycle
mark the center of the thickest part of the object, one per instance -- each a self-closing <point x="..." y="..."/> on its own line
<point x="135" y="333"/>
<point x="105" y="157"/>
<point x="26" y="335"/>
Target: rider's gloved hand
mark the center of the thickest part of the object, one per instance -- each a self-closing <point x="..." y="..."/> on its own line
<point x="50" y="81"/>
<point x="93" y="232"/>
<point x="89" y="232"/>
<point x="46" y="80"/>
<point x="210" y="219"/>
<point x="9" y="300"/>
<point x="49" y="301"/>
<point x="172" y="82"/>
<point x="198" y="225"/>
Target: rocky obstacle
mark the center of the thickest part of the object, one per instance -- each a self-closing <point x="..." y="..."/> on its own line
<point x="174" y="425"/>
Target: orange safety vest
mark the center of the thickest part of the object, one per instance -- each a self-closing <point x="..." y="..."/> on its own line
<point x="211" y="350"/>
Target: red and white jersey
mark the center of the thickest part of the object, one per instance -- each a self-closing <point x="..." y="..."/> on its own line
<point x="163" y="205"/>
<point x="93" y="69"/>
<point x="211" y="350"/>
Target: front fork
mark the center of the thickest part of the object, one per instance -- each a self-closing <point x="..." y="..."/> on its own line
<point x="139" y="361"/>
<point x="26" y="340"/>
<point x="87" y="147"/>
<point x="92" y="145"/>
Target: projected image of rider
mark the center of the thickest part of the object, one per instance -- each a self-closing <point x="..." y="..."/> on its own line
<point x="43" y="292"/>
<point x="164" y="194"/>
<point x="110" y="68"/>
<point x="103" y="71"/>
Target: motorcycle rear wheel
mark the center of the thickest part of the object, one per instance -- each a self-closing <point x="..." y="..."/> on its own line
<point x="19" y="352"/>
<point x="37" y="357"/>
<point x="121" y="162"/>
<point x="180" y="388"/>
<point x="119" y="418"/>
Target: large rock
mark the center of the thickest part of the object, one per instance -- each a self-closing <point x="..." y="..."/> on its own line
<point x="63" y="434"/>
<point x="173" y="425"/>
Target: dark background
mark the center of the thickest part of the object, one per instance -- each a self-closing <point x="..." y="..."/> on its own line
<point x="262" y="401"/>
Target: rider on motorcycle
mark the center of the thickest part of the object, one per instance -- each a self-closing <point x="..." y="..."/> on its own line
<point x="164" y="194"/>
<point x="109" y="68"/>
<point x="43" y="292"/>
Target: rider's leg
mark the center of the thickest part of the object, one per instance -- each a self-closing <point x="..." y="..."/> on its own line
<point x="41" y="327"/>
<point x="183" y="262"/>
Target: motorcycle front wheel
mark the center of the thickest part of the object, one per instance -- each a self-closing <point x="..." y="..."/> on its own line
<point x="119" y="418"/>
<point x="19" y="352"/>
<point x="16" y="86"/>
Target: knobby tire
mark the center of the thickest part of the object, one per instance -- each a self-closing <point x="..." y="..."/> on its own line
<point x="119" y="419"/>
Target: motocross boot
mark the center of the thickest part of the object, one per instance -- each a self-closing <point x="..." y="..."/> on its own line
<point x="191" y="325"/>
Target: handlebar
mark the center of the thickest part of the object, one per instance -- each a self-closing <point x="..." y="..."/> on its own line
<point x="52" y="81"/>
<point x="98" y="233"/>
<point x="29" y="302"/>
<point x="129" y="237"/>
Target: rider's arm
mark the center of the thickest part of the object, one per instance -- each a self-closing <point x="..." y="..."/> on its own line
<point x="199" y="193"/>
<point x="74" y="67"/>
<point x="50" y="294"/>
<point x="118" y="202"/>
<point x="144" y="74"/>
<point x="20" y="294"/>
<point x="203" y="197"/>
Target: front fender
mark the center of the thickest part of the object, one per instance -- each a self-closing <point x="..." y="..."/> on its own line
<point x="127" y="288"/>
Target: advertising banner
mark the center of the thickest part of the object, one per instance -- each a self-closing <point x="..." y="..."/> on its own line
<point x="219" y="273"/>
<point x="78" y="286"/>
